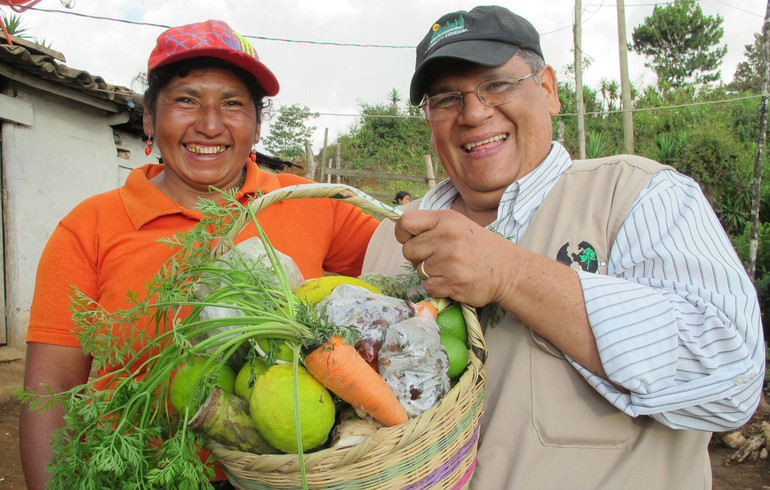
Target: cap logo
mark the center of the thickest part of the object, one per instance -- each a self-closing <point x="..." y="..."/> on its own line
<point x="450" y="28"/>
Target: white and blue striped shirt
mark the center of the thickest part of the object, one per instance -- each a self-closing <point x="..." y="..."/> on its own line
<point x="676" y="318"/>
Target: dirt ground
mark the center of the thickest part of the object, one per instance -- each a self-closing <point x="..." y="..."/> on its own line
<point x="751" y="474"/>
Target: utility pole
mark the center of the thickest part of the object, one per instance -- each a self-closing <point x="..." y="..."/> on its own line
<point x="577" y="31"/>
<point x="625" y="84"/>
<point x="754" y="231"/>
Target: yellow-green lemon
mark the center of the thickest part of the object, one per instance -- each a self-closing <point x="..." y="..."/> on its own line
<point x="190" y="378"/>
<point x="283" y="351"/>
<point x="314" y="290"/>
<point x="272" y="408"/>
<point x="254" y="368"/>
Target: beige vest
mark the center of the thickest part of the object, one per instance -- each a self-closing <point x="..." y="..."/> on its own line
<point x="543" y="426"/>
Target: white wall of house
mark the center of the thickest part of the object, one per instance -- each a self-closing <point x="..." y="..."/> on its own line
<point x="68" y="153"/>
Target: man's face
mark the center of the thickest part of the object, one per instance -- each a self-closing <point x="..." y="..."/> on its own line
<point x="485" y="149"/>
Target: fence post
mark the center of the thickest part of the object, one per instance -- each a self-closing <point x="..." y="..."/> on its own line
<point x="337" y="161"/>
<point x="323" y="155"/>
<point x="310" y="171"/>
<point x="429" y="170"/>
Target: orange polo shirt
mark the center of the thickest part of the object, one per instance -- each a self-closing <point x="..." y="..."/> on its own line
<point x="108" y="244"/>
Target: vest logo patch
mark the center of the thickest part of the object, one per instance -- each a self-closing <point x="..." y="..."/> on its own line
<point x="580" y="257"/>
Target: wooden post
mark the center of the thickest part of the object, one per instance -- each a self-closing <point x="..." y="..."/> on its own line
<point x="329" y="172"/>
<point x="581" y="125"/>
<point x="337" y="161"/>
<point x="323" y="155"/>
<point x="754" y="230"/>
<point x="429" y="171"/>
<point x="625" y="84"/>
<point x="310" y="170"/>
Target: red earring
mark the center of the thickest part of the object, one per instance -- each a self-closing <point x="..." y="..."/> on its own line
<point x="253" y="155"/>
<point x="148" y="148"/>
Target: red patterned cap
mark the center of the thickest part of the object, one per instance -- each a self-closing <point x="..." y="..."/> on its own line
<point x="214" y="39"/>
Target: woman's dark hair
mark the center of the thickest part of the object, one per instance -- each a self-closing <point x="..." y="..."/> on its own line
<point x="400" y="195"/>
<point x="160" y="77"/>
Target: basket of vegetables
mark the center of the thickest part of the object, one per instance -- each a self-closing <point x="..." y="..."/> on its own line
<point x="325" y="383"/>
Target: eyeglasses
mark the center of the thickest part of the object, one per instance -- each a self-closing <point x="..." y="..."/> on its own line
<point x="491" y="93"/>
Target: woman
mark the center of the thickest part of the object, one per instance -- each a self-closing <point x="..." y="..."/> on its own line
<point x="402" y="197"/>
<point x="206" y="91"/>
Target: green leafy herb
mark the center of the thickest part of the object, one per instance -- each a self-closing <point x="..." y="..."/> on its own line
<point x="128" y="435"/>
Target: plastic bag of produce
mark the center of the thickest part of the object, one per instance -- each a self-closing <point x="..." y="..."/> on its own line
<point x="414" y="364"/>
<point x="370" y="314"/>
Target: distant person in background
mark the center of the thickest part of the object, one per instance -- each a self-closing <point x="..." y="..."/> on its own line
<point x="402" y="197"/>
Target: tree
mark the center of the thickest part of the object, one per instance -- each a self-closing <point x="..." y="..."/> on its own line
<point x="748" y="73"/>
<point x="390" y="139"/>
<point x="290" y="131"/>
<point x="681" y="44"/>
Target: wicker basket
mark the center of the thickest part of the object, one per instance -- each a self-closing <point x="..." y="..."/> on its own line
<point x="435" y="450"/>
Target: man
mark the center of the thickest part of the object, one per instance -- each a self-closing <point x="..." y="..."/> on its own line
<point x="630" y="329"/>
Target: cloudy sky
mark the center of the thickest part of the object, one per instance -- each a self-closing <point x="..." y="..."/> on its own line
<point x="304" y="41"/>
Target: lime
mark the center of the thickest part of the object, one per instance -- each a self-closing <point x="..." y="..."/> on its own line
<point x="272" y="408"/>
<point x="190" y="378"/>
<point x="451" y="322"/>
<point x="314" y="290"/>
<point x="282" y="351"/>
<point x="457" y="353"/>
<point x="254" y="368"/>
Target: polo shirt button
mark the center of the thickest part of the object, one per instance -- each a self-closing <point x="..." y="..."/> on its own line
<point x="739" y="380"/>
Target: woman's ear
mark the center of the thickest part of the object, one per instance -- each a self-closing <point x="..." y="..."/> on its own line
<point x="256" y="135"/>
<point x="147" y="124"/>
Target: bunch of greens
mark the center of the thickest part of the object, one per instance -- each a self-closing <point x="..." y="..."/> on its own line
<point x="127" y="434"/>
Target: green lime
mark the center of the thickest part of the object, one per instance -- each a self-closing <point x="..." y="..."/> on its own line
<point x="272" y="408"/>
<point x="254" y="368"/>
<point x="457" y="353"/>
<point x="190" y="377"/>
<point x="451" y="322"/>
<point x="283" y="351"/>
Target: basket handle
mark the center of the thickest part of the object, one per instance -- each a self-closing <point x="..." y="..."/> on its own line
<point x="340" y="192"/>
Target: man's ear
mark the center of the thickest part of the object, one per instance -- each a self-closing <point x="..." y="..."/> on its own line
<point x="549" y="85"/>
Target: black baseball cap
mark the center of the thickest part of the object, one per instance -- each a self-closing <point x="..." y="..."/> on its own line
<point x="488" y="36"/>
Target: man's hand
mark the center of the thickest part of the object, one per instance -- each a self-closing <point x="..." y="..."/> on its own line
<point x="462" y="260"/>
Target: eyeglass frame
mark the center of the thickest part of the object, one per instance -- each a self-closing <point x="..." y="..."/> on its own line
<point x="426" y="100"/>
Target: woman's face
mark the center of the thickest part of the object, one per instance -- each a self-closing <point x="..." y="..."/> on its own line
<point x="204" y="127"/>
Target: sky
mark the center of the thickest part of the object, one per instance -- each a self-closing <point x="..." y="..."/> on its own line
<point x="332" y="79"/>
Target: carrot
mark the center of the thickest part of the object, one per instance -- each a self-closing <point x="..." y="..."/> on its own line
<point x="340" y="368"/>
<point x="426" y="309"/>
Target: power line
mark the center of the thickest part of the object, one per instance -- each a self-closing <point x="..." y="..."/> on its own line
<point x="568" y="114"/>
<point x="263" y="38"/>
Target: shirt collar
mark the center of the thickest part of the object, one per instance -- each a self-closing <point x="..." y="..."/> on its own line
<point x="144" y="202"/>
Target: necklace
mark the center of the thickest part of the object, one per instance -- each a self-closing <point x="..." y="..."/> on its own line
<point x="242" y="181"/>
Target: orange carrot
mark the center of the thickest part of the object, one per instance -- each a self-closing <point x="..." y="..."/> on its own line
<point x="340" y="368"/>
<point x="426" y="309"/>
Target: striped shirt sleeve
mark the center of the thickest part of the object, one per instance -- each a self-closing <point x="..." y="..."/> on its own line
<point x="676" y="319"/>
